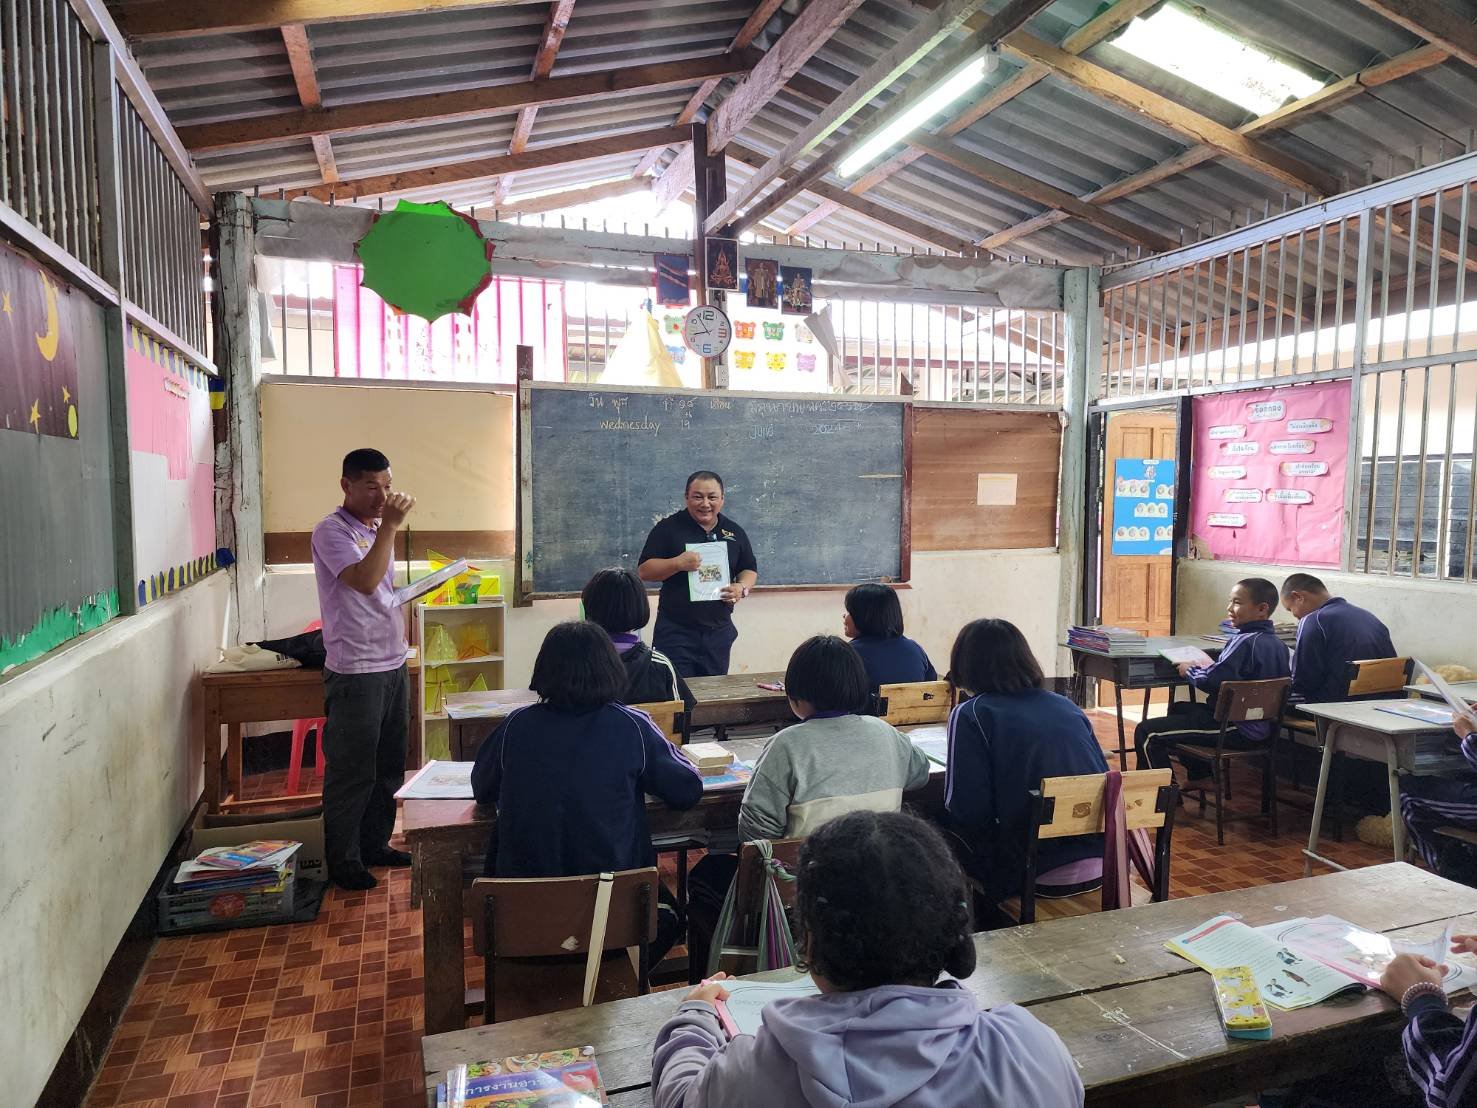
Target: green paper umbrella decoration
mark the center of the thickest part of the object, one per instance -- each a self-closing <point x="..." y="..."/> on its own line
<point x="425" y="259"/>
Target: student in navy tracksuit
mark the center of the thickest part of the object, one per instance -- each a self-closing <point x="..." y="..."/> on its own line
<point x="1252" y="653"/>
<point x="1450" y="800"/>
<point x="1331" y="634"/>
<point x="874" y="624"/>
<point x="1440" y="1045"/>
<point x="570" y="774"/>
<point x="1008" y="735"/>
<point x="616" y="599"/>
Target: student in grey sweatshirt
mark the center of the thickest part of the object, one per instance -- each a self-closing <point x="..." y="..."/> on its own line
<point x="836" y="759"/>
<point x="881" y="911"/>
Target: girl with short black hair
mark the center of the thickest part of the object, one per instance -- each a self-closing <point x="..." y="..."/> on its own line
<point x="880" y="905"/>
<point x="874" y="624"/>
<point x="1005" y="735"/>
<point x="616" y="600"/>
<point x="570" y="775"/>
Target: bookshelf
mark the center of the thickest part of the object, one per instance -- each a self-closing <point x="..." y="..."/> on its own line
<point x="459" y="643"/>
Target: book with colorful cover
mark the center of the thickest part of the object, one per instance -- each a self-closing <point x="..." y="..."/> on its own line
<point x="567" y="1078"/>
<point x="738" y="773"/>
<point x="260" y="853"/>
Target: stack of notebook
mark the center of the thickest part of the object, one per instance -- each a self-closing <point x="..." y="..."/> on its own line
<point x="254" y="865"/>
<point x="1112" y="641"/>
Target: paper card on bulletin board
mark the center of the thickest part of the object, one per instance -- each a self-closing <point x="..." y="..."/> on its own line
<point x="1143" y="506"/>
<point x="1268" y="484"/>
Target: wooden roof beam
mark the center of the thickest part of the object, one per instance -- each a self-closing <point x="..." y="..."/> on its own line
<point x="1432" y="21"/>
<point x="461" y="104"/>
<point x="183" y="18"/>
<point x="416" y="180"/>
<point x="555" y="24"/>
<point x="1331" y="95"/>
<point x="305" y="76"/>
<point x="1119" y="91"/>
<point x="758" y="19"/>
<point x="1089" y="34"/>
<point x="811" y="29"/>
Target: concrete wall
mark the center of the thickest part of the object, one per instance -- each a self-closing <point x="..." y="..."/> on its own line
<point x="1428" y="619"/>
<point x="99" y="769"/>
<point x="948" y="590"/>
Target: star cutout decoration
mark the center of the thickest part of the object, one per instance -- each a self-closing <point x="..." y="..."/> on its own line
<point x="35" y="417"/>
<point x="5" y="303"/>
<point x="66" y="395"/>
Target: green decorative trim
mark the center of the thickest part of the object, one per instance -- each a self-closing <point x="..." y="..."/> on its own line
<point x="58" y="626"/>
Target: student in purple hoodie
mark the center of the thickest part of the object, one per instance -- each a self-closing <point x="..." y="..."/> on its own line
<point x="881" y="910"/>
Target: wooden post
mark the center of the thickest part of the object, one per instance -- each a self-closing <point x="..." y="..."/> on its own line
<point x="238" y="357"/>
<point x="710" y="188"/>
<point x="1081" y="299"/>
<point x="522" y="497"/>
<point x="115" y="320"/>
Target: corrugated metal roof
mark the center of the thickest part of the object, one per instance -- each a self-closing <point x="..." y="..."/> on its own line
<point x="1054" y="132"/>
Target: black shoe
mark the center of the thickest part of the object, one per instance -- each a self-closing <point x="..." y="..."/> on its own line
<point x="386" y="856"/>
<point x="355" y="879"/>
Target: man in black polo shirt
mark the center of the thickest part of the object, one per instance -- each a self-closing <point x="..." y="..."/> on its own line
<point x="697" y="635"/>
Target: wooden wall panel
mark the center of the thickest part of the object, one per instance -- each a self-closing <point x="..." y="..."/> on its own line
<point x="952" y="447"/>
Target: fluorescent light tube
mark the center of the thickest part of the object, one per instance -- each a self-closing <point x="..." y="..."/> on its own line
<point x="920" y="113"/>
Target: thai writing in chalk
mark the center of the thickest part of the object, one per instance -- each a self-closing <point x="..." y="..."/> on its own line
<point x="1226" y="473"/>
<point x="1318" y="426"/>
<point x="1266" y="411"/>
<point x="1228" y="431"/>
<point x="1225" y="519"/>
<point x="1290" y="496"/>
<point x="1243" y="496"/>
<point x="1240" y="449"/>
<point x="1303" y="469"/>
<point x="1291" y="446"/>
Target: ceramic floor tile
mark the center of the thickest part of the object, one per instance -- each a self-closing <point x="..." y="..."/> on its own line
<point x="328" y="1014"/>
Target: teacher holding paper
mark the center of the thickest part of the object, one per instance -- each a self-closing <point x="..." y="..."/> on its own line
<point x="696" y="554"/>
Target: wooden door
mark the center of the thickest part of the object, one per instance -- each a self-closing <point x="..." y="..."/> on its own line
<point x="1136" y="590"/>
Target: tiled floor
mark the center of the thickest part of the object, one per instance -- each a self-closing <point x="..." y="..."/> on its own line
<point x="328" y="1014"/>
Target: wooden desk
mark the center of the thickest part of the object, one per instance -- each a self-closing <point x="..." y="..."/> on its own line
<point x="1138" y="1019"/>
<point x="1467" y="690"/>
<point x="231" y="699"/>
<point x="442" y="834"/>
<point x="1143" y="669"/>
<point x="1359" y="729"/>
<point x="729" y="701"/>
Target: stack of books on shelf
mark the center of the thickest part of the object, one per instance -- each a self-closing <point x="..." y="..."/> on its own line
<point x="1112" y="641"/>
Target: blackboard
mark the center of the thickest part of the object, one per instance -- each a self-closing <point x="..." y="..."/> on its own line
<point x="818" y="482"/>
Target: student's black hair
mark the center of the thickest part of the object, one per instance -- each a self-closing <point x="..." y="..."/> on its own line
<point x="364" y="460"/>
<point x="875" y="610"/>
<point x="1261" y="591"/>
<point x="828" y="673"/>
<point x="1303" y="582"/>
<point x="702" y="475"/>
<point x="577" y="670"/>
<point x="880" y="900"/>
<point x="992" y="656"/>
<point x="616" y="599"/>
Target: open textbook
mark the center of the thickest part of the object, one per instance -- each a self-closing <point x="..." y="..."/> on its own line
<point x="417" y="589"/>
<point x="1363" y="955"/>
<point x="1286" y="978"/>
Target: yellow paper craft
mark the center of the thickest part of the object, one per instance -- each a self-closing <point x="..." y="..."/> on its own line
<point x="479" y="684"/>
<point x="438" y="646"/>
<point x="473" y="640"/>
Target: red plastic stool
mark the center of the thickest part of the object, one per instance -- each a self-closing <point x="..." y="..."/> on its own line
<point x="300" y="731"/>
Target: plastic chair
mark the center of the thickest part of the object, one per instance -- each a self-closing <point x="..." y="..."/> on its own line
<point x="300" y="731"/>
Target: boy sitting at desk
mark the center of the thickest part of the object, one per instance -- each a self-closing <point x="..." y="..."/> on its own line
<point x="1331" y="634"/>
<point x="1252" y="653"/>
<point x="1427" y="803"/>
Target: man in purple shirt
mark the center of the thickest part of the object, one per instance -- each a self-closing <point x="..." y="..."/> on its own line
<point x="364" y="677"/>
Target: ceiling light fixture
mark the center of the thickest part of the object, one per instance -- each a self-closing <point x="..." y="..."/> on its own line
<point x="1199" y="52"/>
<point x="940" y="97"/>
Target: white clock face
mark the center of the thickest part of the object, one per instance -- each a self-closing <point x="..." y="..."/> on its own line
<point x="706" y="331"/>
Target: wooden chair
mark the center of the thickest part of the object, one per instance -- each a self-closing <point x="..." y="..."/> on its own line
<point x="1378" y="677"/>
<point x="1242" y="702"/>
<point x="1067" y="806"/>
<point x="534" y="934"/>
<point x="741" y="952"/>
<point x="915" y="702"/>
<point x="670" y="717"/>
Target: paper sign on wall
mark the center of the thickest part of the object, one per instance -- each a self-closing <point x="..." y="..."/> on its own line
<point x="1286" y="510"/>
<point x="1143" y="506"/>
<point x="995" y="490"/>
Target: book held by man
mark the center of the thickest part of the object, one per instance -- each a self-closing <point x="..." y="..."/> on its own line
<point x="712" y="574"/>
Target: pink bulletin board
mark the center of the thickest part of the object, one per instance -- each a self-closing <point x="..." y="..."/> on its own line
<point x="172" y="448"/>
<point x="1268" y="476"/>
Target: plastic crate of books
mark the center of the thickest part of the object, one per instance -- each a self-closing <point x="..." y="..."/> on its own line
<point x="220" y="910"/>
